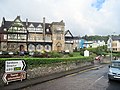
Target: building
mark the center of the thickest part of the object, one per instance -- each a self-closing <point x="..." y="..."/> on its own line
<point x="22" y="36"/>
<point x="114" y="43"/>
<point x="92" y="44"/>
<point x="71" y="42"/>
<point x="68" y="41"/>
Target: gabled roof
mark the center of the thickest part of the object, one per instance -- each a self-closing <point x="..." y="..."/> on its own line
<point x="68" y="33"/>
<point x="7" y="24"/>
<point x="35" y="24"/>
<point x="116" y="38"/>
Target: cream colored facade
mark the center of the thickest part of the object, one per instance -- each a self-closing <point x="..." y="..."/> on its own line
<point x="116" y="46"/>
<point x="114" y="43"/>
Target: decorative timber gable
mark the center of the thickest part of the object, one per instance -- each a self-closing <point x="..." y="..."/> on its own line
<point x="17" y="26"/>
<point x="68" y="34"/>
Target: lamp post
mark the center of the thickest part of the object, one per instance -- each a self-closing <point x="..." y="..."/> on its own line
<point x="110" y="46"/>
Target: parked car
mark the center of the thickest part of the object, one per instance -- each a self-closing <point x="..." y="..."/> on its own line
<point x="97" y="58"/>
<point x="114" y="70"/>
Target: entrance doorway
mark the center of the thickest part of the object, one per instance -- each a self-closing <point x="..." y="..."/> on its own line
<point x="22" y="48"/>
<point x="59" y="47"/>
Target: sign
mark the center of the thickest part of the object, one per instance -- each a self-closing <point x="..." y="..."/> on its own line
<point x="13" y="66"/>
<point x="86" y="53"/>
<point x="109" y="43"/>
<point x="9" y="77"/>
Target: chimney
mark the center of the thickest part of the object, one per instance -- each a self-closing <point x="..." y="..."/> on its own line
<point x="26" y="22"/>
<point x="18" y="17"/>
<point x="43" y="28"/>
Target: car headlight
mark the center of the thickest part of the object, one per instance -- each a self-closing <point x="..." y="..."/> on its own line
<point x="110" y="72"/>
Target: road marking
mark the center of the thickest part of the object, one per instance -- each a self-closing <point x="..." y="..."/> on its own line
<point x="97" y="80"/>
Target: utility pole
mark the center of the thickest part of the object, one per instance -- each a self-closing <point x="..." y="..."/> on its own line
<point x="111" y="46"/>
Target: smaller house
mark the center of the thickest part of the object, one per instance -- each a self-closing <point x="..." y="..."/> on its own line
<point x="76" y="45"/>
<point x="82" y="41"/>
<point x="114" y="43"/>
<point x="71" y="42"/>
<point x="68" y="41"/>
<point x="94" y="44"/>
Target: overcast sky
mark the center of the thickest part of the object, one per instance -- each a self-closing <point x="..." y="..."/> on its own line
<point x="81" y="17"/>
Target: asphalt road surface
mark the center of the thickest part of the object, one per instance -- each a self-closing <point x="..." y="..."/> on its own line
<point x="95" y="79"/>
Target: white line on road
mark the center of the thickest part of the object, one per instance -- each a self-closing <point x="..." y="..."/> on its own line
<point x="99" y="79"/>
<point x="96" y="81"/>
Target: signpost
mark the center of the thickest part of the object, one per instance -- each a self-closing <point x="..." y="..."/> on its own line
<point x="12" y="66"/>
<point x="14" y="70"/>
<point x="9" y="77"/>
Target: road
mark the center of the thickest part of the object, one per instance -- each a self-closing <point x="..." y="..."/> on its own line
<point x="95" y="79"/>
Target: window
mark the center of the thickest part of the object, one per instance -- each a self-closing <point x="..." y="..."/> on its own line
<point x="116" y="64"/>
<point x="32" y="37"/>
<point x="114" y="49"/>
<point x="48" y="37"/>
<point x="39" y="47"/>
<point x="31" y="29"/>
<point x="21" y="36"/>
<point x="58" y="28"/>
<point x="31" y="47"/>
<point x="47" y="47"/>
<point x="12" y="36"/>
<point x="47" y="30"/>
<point x="114" y="44"/>
<point x="39" y="29"/>
<point x="5" y="36"/>
<point x="5" y="29"/>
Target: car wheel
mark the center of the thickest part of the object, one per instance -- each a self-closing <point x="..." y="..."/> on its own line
<point x="110" y="79"/>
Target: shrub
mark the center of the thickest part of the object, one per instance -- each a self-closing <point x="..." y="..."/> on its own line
<point x="70" y="55"/>
<point x="38" y="61"/>
<point x="5" y="56"/>
<point x="55" y="54"/>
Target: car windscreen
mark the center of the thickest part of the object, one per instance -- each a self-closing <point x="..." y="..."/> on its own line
<point x="115" y="64"/>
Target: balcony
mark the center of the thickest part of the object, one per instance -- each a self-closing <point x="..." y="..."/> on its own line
<point x="69" y="42"/>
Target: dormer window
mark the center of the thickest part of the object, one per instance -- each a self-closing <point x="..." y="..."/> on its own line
<point x="47" y="30"/>
<point x="58" y="28"/>
<point x="31" y="25"/>
<point x="39" y="26"/>
<point x="5" y="29"/>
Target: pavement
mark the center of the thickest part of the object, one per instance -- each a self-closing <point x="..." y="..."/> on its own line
<point x="17" y="85"/>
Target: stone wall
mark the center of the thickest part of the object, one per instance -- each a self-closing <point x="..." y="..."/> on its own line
<point x="53" y="68"/>
<point x="47" y="69"/>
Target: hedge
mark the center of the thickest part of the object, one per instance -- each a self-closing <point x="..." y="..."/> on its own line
<point x="31" y="62"/>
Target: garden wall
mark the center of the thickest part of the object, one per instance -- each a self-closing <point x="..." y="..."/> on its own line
<point x="38" y="68"/>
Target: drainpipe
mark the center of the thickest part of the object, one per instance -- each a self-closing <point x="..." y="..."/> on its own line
<point x="27" y="33"/>
<point x="44" y="32"/>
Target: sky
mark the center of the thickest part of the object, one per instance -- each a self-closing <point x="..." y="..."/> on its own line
<point x="81" y="17"/>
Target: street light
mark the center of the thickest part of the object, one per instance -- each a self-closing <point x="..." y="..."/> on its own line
<point x="110" y="46"/>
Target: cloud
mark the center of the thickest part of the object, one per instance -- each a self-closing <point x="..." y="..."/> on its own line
<point x="80" y="16"/>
